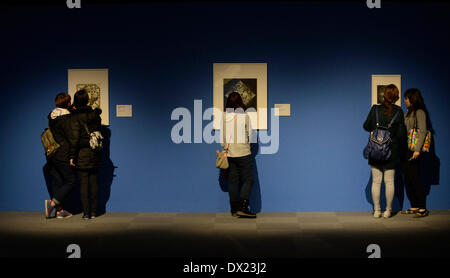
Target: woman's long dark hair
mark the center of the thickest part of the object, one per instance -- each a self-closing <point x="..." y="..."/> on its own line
<point x="234" y="101"/>
<point x="81" y="99"/>
<point x="416" y="100"/>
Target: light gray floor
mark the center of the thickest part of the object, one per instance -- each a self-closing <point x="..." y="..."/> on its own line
<point x="276" y="235"/>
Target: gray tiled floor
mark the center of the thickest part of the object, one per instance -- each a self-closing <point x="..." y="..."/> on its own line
<point x="290" y="234"/>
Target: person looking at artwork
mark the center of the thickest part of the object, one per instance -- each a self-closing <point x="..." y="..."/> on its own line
<point x="87" y="161"/>
<point x="63" y="178"/>
<point x="236" y="130"/>
<point x="386" y="113"/>
<point x="416" y="117"/>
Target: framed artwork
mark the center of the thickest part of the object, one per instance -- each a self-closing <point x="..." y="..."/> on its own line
<point x="379" y="83"/>
<point x="95" y="81"/>
<point x="250" y="81"/>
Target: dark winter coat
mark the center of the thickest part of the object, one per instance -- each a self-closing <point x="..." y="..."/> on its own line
<point x="60" y="128"/>
<point x="84" y="157"/>
<point x="397" y="130"/>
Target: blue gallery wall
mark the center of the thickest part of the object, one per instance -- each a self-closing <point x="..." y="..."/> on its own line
<point x="320" y="59"/>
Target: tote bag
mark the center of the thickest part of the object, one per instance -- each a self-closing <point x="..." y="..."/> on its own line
<point x="222" y="159"/>
<point x="413" y="137"/>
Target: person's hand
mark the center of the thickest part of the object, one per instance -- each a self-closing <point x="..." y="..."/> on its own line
<point x="415" y="155"/>
<point x="217" y="152"/>
<point x="71" y="162"/>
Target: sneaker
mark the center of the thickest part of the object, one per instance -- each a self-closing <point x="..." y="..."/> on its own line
<point x="409" y="211"/>
<point x="93" y="215"/>
<point x="49" y="210"/>
<point x="377" y="214"/>
<point x="387" y="214"/>
<point x="63" y="214"/>
<point x="86" y="216"/>
<point x="244" y="212"/>
<point x="234" y="207"/>
<point x="419" y="214"/>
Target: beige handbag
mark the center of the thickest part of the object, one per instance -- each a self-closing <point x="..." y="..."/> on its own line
<point x="222" y="159"/>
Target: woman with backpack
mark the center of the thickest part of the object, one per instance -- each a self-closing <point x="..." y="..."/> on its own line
<point x="85" y="120"/>
<point x="389" y="116"/>
<point x="235" y="134"/>
<point x="63" y="178"/>
<point x="416" y="118"/>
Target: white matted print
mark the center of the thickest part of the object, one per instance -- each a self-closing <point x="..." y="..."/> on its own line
<point x="250" y="81"/>
<point x="95" y="81"/>
<point x="379" y="83"/>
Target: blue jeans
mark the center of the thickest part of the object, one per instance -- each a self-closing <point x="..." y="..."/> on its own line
<point x="63" y="179"/>
<point x="240" y="170"/>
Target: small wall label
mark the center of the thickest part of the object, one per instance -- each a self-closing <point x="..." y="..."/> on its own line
<point x="124" y="110"/>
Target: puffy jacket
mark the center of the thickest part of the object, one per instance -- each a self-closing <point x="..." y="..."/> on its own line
<point x="60" y="128"/>
<point x="80" y="151"/>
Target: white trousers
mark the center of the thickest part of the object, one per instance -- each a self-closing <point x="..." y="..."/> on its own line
<point x="377" y="177"/>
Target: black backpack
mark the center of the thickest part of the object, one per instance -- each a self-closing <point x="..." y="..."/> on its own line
<point x="379" y="147"/>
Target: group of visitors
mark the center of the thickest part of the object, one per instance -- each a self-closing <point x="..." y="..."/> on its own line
<point x="409" y="140"/>
<point x="74" y="160"/>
